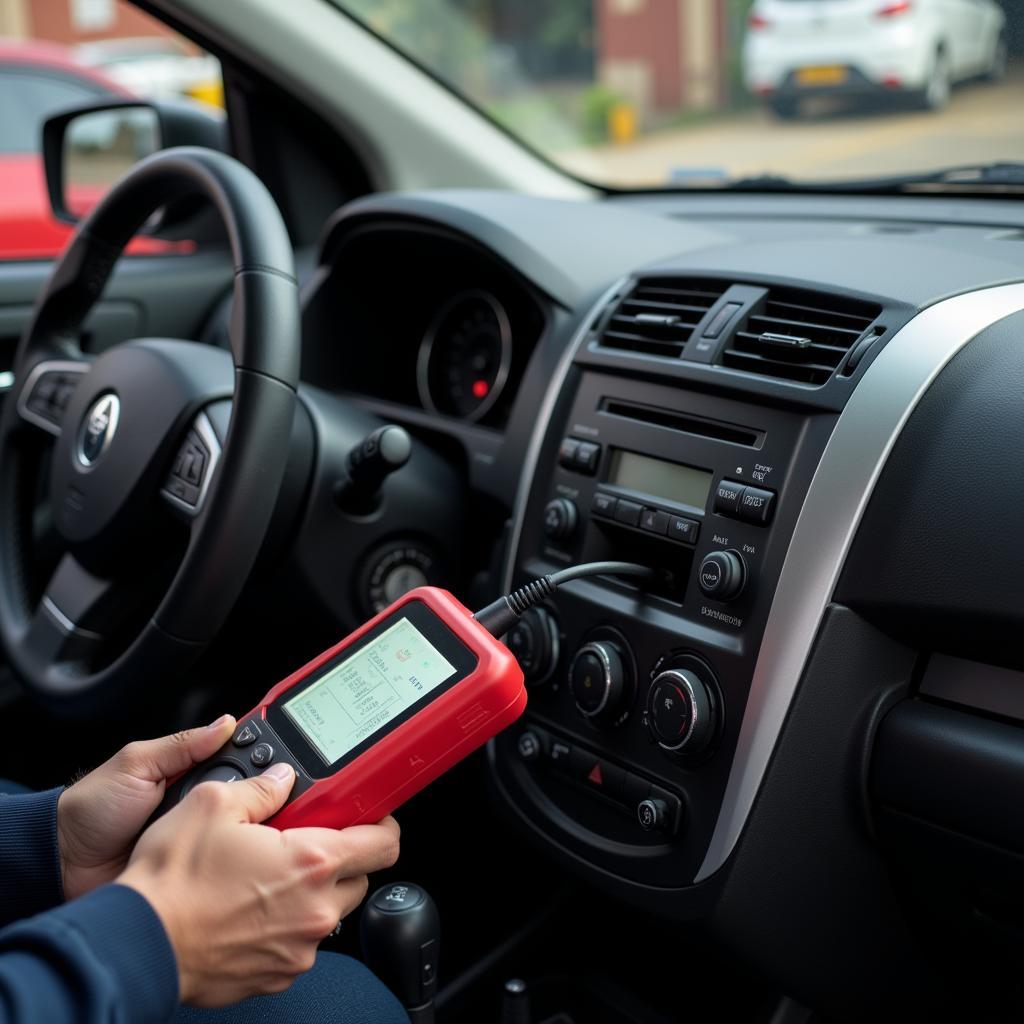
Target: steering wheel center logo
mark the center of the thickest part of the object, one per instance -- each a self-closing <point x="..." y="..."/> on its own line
<point x="98" y="429"/>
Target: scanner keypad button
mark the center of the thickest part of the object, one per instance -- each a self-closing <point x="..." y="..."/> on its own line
<point x="262" y="754"/>
<point x="245" y="734"/>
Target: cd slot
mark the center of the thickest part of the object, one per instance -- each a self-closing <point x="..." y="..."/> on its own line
<point x="682" y="423"/>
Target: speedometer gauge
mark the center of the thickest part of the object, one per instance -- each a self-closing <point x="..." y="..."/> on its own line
<point x="465" y="356"/>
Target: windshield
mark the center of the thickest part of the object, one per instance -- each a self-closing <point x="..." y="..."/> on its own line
<point x="676" y="93"/>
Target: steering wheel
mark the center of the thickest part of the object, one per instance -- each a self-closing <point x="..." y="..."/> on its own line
<point x="159" y="515"/>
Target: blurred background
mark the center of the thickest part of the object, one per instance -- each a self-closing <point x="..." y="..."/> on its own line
<point x="626" y="93"/>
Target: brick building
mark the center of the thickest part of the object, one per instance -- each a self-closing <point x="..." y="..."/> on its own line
<point x="663" y="55"/>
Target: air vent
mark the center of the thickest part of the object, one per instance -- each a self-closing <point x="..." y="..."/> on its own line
<point x="659" y="315"/>
<point x="798" y="335"/>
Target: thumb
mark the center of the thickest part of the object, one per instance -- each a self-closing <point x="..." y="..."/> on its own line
<point x="163" y="758"/>
<point x="256" y="799"/>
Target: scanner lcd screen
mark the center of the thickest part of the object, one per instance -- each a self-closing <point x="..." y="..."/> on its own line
<point x="368" y="689"/>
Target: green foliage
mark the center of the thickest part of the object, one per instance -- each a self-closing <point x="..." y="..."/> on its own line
<point x="596" y="104"/>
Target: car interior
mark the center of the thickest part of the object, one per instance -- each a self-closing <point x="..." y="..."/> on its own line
<point x="796" y="796"/>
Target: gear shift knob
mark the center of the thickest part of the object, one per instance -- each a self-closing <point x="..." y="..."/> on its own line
<point x="400" y="931"/>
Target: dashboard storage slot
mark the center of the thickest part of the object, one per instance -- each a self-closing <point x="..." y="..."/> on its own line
<point x="682" y="422"/>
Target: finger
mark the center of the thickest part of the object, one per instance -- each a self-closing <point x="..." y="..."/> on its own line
<point x="256" y="799"/>
<point x="163" y="758"/>
<point x="358" y="850"/>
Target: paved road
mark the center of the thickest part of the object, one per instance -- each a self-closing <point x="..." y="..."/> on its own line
<point x="982" y="122"/>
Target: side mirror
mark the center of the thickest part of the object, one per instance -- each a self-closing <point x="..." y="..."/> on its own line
<point x="86" y="149"/>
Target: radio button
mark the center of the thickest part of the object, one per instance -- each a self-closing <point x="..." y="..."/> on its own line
<point x="603" y="505"/>
<point x="722" y="575"/>
<point x="728" y="496"/>
<point x="560" y="518"/>
<point x="627" y="512"/>
<point x="587" y="457"/>
<point x="686" y="530"/>
<point x="654" y="521"/>
<point x="756" y="505"/>
<point x="567" y="452"/>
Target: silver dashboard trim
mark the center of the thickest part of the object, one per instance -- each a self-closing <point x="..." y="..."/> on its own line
<point x="850" y="466"/>
<point x="543" y="421"/>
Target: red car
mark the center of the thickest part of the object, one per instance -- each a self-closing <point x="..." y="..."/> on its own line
<point x="38" y="80"/>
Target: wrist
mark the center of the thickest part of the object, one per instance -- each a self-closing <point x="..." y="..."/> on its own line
<point x="147" y="884"/>
<point x="66" y="848"/>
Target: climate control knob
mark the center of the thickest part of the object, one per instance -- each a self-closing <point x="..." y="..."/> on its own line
<point x="680" y="711"/>
<point x="722" y="575"/>
<point x="599" y="679"/>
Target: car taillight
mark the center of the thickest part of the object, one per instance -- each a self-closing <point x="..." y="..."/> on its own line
<point x="758" y="22"/>
<point x="896" y="7"/>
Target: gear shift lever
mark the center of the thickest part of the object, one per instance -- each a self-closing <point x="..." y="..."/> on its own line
<point x="401" y="936"/>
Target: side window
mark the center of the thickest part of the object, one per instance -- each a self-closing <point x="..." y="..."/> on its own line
<point x="28" y="98"/>
<point x="56" y="54"/>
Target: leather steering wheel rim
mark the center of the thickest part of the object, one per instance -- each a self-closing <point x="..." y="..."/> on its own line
<point x="42" y="635"/>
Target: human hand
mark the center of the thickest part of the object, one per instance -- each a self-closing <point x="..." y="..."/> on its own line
<point x="101" y="815"/>
<point x="244" y="904"/>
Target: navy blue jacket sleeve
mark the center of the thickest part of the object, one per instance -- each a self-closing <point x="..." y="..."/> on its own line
<point x="104" y="958"/>
<point x="30" y="877"/>
<point x="101" y="959"/>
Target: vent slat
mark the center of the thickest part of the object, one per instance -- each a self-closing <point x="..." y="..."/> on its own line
<point x="640" y="322"/>
<point x="813" y="332"/>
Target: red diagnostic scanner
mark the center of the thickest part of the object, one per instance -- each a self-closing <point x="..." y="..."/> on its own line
<point x="370" y="722"/>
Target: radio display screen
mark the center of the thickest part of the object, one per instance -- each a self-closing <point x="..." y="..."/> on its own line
<point x="668" y="480"/>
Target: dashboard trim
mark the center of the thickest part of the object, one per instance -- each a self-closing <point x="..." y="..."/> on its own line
<point x="851" y="464"/>
<point x="544" y="413"/>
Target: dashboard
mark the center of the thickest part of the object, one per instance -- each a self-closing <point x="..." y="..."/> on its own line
<point x="799" y="410"/>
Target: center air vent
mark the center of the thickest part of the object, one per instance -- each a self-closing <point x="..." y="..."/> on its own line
<point x="659" y="315"/>
<point x="799" y="335"/>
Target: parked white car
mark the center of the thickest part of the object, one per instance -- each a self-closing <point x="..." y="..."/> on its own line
<point x="155" y="67"/>
<point x="796" y="49"/>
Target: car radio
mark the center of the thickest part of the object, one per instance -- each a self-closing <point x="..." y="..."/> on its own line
<point x="636" y="695"/>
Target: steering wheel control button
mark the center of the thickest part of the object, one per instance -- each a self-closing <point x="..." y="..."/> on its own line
<point x="246" y="734"/>
<point x="654" y="521"/>
<point x="722" y="575"/>
<point x="627" y="512"/>
<point x="560" y="519"/>
<point x="728" y="495"/>
<point x="603" y="505"/>
<point x="193" y="466"/>
<point x="47" y="396"/>
<point x="529" y="747"/>
<point x="534" y="641"/>
<point x="262" y="754"/>
<point x="588" y="455"/>
<point x="683" y="529"/>
<point x="756" y="506"/>
<point x="680" y="712"/>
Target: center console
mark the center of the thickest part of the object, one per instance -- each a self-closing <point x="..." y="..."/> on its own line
<point x="636" y="697"/>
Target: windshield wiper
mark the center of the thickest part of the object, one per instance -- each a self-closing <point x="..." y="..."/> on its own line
<point x="1000" y="174"/>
